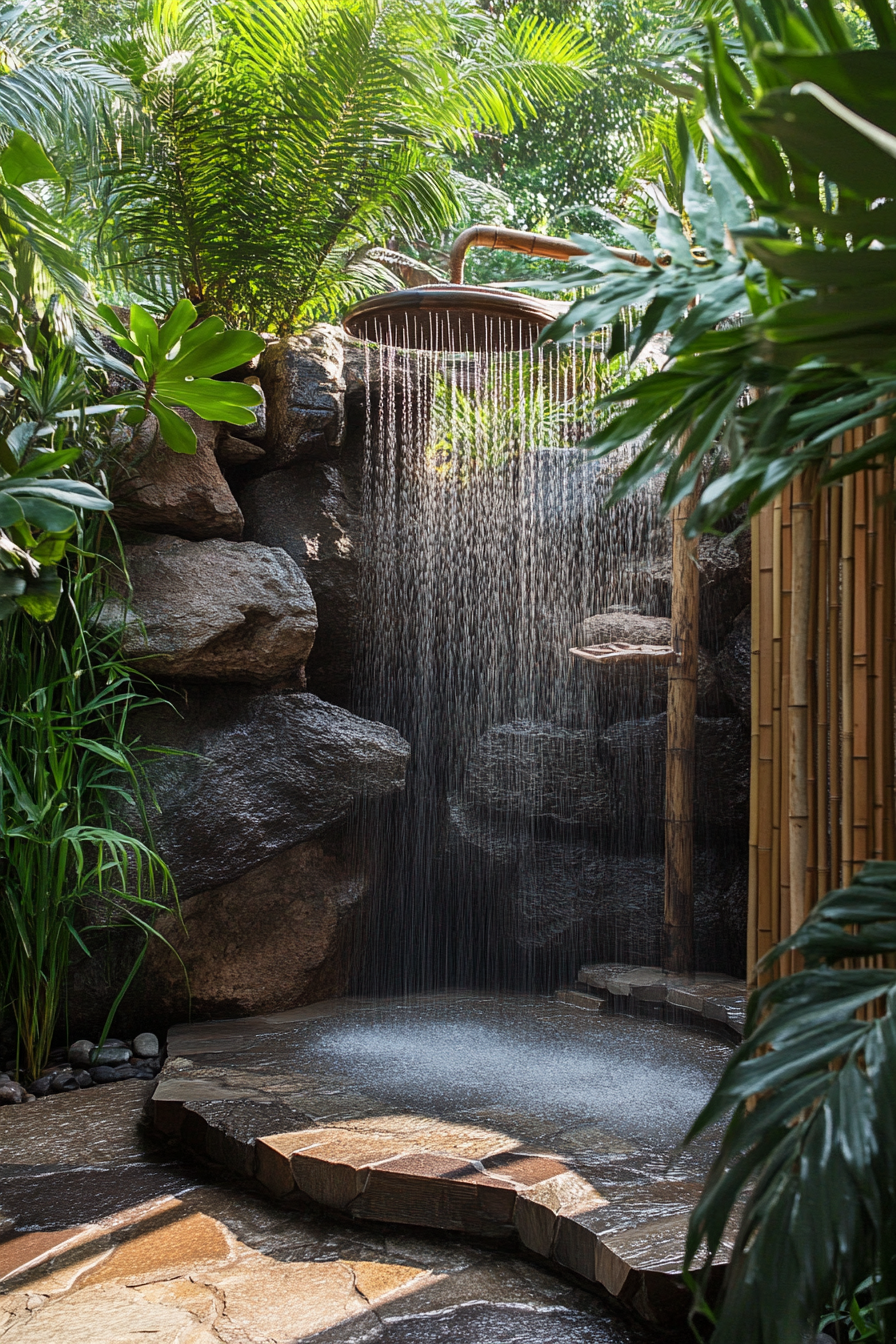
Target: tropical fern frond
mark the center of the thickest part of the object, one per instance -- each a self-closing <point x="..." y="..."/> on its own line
<point x="286" y="134"/>
<point x="811" y="1146"/>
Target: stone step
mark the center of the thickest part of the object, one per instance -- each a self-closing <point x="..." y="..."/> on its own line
<point x="708" y="995"/>
<point x="580" y="999"/>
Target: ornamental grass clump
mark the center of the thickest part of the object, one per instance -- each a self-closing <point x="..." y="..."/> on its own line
<point x="68" y="769"/>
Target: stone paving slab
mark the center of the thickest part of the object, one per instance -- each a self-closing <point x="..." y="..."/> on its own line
<point x="713" y="999"/>
<point x="177" y="1257"/>
<point x="611" y="1214"/>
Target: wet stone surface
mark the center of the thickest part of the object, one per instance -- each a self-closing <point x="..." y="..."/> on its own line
<point x="104" y="1239"/>
<point x="523" y="1121"/>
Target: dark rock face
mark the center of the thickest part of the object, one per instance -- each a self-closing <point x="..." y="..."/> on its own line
<point x="272" y="939"/>
<point x="179" y="494"/>
<point x="214" y="610"/>
<point x="725" y="579"/>
<point x="634" y="753"/>
<point x="267" y="772"/>
<point x="537" y="771"/>
<point x="733" y="664"/>
<point x="312" y="511"/>
<point x="305" y="395"/>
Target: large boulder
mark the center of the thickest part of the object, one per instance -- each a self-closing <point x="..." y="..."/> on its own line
<point x="181" y="494"/>
<point x="305" y="395"/>
<point x="734" y="664"/>
<point x="634" y="754"/>
<point x="218" y="610"/>
<point x="277" y="937"/>
<point x="725" y="582"/>
<point x="538" y="771"/>
<point x="263" y="773"/>
<point x="640" y="688"/>
<point x="312" y="511"/>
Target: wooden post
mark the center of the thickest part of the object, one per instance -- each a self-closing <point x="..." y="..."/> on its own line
<point x="680" y="748"/>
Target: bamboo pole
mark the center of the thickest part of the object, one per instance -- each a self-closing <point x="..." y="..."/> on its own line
<point x="822" y="696"/>
<point x="753" y="878"/>
<point x="798" y="697"/>
<point x="680" y="748"/>
<point x="861" y="746"/>
<point x="835" y="622"/>
<point x="763" y="692"/>
<point x="847" y="720"/>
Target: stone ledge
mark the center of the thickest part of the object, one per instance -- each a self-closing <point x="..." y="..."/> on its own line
<point x="707" y="998"/>
<point x="353" y="1158"/>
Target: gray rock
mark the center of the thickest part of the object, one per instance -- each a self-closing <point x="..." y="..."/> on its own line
<point x="214" y="610"/>
<point x="274" y="938"/>
<point x="234" y="452"/>
<point x="122" y="1071"/>
<point x="9" y="1095"/>
<point x="103" y="1073"/>
<point x="269" y="771"/>
<point x="176" y="493"/>
<point x="40" y="1087"/>
<point x="146" y="1045"/>
<point x="643" y="689"/>
<point x="63" y="1082"/>
<point x="254" y="433"/>
<point x="725" y="582"/>
<point x="734" y="664"/>
<point x="305" y="393"/>
<point x="537" y="771"/>
<point x="82" y="1078"/>
<point x="312" y="511"/>
<point x="635" y="755"/>
<point x="79" y="1053"/>
<point x="112" y="1055"/>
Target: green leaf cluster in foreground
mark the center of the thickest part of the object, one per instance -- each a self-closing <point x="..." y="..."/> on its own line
<point x="786" y="240"/>
<point x="808" y="1162"/>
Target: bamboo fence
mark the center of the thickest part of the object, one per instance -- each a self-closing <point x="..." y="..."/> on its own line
<point x="822" y="770"/>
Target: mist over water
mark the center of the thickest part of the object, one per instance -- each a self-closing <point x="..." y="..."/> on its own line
<point x="487" y="542"/>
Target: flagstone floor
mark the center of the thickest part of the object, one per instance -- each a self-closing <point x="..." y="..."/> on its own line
<point x="108" y="1238"/>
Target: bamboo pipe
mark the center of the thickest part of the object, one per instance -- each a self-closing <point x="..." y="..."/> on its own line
<point x="798" y="708"/>
<point x="531" y="244"/>
<point x="847" y="614"/>
<point x="755" y="838"/>
<point x="680" y="748"/>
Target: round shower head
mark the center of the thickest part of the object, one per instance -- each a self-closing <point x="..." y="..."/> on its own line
<point x="451" y="317"/>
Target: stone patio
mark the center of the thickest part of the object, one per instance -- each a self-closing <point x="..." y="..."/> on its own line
<point x="105" y="1240"/>
<point x="404" y="1113"/>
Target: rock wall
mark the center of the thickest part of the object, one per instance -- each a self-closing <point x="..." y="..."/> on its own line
<point x="242" y="562"/>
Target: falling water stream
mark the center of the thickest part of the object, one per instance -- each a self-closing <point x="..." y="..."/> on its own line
<point x="488" y="541"/>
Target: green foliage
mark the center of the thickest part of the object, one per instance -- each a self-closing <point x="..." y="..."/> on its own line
<point x="67" y="769"/>
<point x="810" y="1150"/>
<point x="570" y="158"/>
<point x="806" y="145"/>
<point x="282" y="137"/>
<point x="176" y="363"/>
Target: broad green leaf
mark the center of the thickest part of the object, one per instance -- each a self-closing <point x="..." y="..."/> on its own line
<point x="212" y="400"/>
<point x="215" y="355"/>
<point x="41" y="597"/>
<point x="178" y="435"/>
<point x="144" y="333"/>
<point x="47" y="514"/>
<point x="23" y="161"/>
<point x="182" y="316"/>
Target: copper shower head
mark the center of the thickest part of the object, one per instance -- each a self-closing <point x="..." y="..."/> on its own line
<point x="463" y="317"/>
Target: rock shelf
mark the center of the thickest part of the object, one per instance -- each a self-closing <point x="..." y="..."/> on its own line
<point x="308" y="1103"/>
<point x="711" y="1000"/>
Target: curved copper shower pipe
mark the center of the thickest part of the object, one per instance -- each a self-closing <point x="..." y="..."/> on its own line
<point x="517" y="240"/>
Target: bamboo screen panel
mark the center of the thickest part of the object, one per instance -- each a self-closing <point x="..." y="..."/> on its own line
<point x="822" y="693"/>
